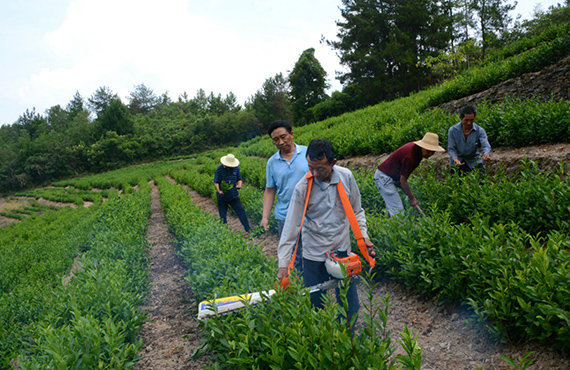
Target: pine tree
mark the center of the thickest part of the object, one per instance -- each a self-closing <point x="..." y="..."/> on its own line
<point x="383" y="42"/>
<point x="308" y="84"/>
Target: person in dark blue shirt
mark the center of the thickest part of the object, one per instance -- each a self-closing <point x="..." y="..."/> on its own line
<point x="227" y="181"/>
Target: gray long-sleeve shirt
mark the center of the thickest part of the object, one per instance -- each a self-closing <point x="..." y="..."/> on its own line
<point x="466" y="150"/>
<point x="326" y="227"/>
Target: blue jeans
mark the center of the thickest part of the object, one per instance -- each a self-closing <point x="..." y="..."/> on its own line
<point x="238" y="209"/>
<point x="315" y="273"/>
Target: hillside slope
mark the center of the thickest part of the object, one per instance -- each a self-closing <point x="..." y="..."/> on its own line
<point x="550" y="82"/>
<point x="546" y="156"/>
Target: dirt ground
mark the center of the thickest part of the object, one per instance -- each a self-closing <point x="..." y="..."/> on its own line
<point x="448" y="342"/>
<point x="19" y="202"/>
<point x="172" y="333"/>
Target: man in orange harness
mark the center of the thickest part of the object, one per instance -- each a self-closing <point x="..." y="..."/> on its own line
<point x="325" y="226"/>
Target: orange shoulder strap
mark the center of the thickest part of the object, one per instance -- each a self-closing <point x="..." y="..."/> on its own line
<point x="349" y="214"/>
<point x="309" y="177"/>
<point x="354" y="224"/>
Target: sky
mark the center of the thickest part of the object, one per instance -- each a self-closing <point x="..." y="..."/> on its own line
<point x="49" y="50"/>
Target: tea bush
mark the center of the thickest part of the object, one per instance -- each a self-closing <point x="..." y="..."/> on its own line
<point x="286" y="332"/>
<point x="93" y="321"/>
<point x="201" y="179"/>
<point x="537" y="202"/>
<point x="385" y="127"/>
<point x="121" y="178"/>
<point x="36" y="254"/>
<point x="512" y="278"/>
<point x="515" y="122"/>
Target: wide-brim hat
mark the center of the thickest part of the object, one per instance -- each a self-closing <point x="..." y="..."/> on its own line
<point x="430" y="141"/>
<point x="229" y="160"/>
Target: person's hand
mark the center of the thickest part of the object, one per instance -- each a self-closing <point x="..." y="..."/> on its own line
<point x="486" y="157"/>
<point x="419" y="210"/>
<point x="283" y="273"/>
<point x="457" y="162"/>
<point x="220" y="192"/>
<point x="265" y="223"/>
<point x="238" y="187"/>
<point x="414" y="203"/>
<point x="370" y="247"/>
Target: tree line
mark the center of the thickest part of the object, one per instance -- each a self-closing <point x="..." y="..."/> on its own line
<point x="391" y="48"/>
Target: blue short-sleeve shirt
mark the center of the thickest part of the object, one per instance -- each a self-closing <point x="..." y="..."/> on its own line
<point x="284" y="175"/>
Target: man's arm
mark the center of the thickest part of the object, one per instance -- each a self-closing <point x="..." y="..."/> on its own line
<point x="268" y="200"/>
<point x="290" y="231"/>
<point x="217" y="185"/>
<point x="406" y="188"/>
<point x="451" y="149"/>
<point x="485" y="146"/>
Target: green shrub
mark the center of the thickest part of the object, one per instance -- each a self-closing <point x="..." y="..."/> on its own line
<point x="93" y="321"/>
<point x="284" y="333"/>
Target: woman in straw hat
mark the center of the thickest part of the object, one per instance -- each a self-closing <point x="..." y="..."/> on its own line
<point x="393" y="173"/>
<point x="227" y="181"/>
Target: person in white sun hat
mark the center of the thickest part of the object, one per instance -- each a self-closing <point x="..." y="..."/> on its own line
<point x="227" y="181"/>
<point x="393" y="173"/>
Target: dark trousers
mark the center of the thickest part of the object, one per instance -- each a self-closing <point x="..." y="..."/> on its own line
<point x="238" y="209"/>
<point x="315" y="273"/>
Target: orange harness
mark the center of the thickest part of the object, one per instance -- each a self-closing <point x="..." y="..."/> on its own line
<point x="353" y="224"/>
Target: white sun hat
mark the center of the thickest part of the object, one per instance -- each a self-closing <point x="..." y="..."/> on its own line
<point x="229" y="160"/>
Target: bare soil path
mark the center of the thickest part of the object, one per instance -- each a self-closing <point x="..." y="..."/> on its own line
<point x="172" y="333"/>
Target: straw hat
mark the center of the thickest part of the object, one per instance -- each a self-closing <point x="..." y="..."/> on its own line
<point x="430" y="142"/>
<point x="229" y="160"/>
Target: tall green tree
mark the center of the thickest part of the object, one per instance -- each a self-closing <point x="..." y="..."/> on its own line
<point x="33" y="123"/>
<point x="231" y="103"/>
<point x="218" y="106"/>
<point x="57" y="118"/>
<point x="493" y="21"/>
<point x="421" y="30"/>
<point x="100" y="100"/>
<point x="308" y="81"/>
<point x="141" y="100"/>
<point x="75" y="106"/>
<point x="9" y="166"/>
<point x="271" y="102"/>
<point x="543" y="19"/>
<point x="199" y="103"/>
<point x="117" y="118"/>
<point x="384" y="42"/>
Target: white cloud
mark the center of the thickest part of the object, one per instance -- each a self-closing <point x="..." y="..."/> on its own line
<point x="170" y="45"/>
<point x="120" y="44"/>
